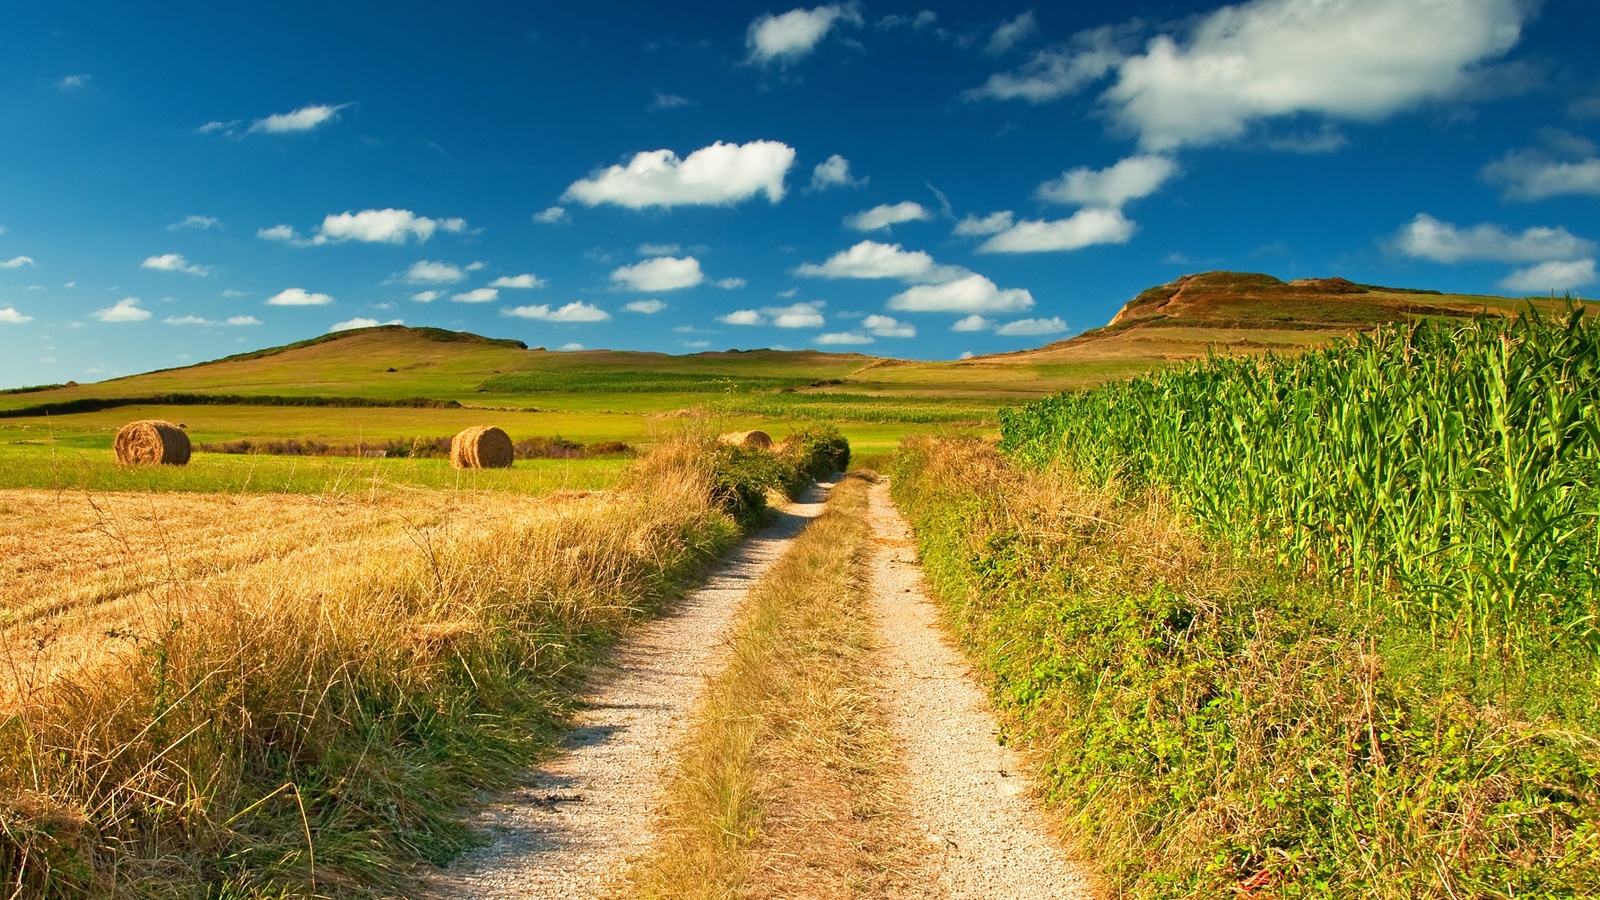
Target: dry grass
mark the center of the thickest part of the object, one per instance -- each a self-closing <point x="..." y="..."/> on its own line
<point x="271" y="696"/>
<point x="788" y="786"/>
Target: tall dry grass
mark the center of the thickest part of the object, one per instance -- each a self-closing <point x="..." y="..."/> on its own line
<point x="310" y="725"/>
<point x="788" y="783"/>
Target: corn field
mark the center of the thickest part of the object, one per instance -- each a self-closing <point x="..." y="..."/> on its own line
<point x="1451" y="469"/>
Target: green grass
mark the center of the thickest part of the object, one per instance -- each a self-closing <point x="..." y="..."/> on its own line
<point x="77" y="468"/>
<point x="1204" y="720"/>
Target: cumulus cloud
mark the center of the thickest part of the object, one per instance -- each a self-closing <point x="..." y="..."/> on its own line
<point x="1059" y="71"/>
<point x="201" y="222"/>
<point x="554" y="215"/>
<point x="870" y="259"/>
<point x="647" y="307"/>
<point x="1551" y="276"/>
<point x="1349" y="59"/>
<point x="1032" y="327"/>
<point x="173" y="262"/>
<point x="1110" y="188"/>
<point x="125" y="310"/>
<point x="994" y="223"/>
<point x="428" y="272"/>
<point x="306" y="118"/>
<point x="1535" y="175"/>
<point x="834" y="172"/>
<point x="188" y="320"/>
<point x="240" y="321"/>
<point x="887" y="215"/>
<point x="298" y="297"/>
<point x="1428" y="238"/>
<point x="477" y="295"/>
<point x="718" y="175"/>
<point x="571" y="313"/>
<point x="523" y="281"/>
<point x="792" y="35"/>
<point x="729" y="284"/>
<point x="845" y="338"/>
<point x="973" y="322"/>
<point x="887" y="326"/>
<point x="1084" y="228"/>
<point x="10" y="316"/>
<point x="373" y="226"/>
<point x="350" y="324"/>
<point x="971" y="294"/>
<point x="17" y="262"/>
<point x="743" y="317"/>
<point x="427" y="296"/>
<point x="1012" y="32"/>
<point x="665" y="273"/>
<point x="798" y="315"/>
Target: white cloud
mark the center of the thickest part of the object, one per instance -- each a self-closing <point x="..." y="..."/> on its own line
<point x="743" y="317"/>
<point x="669" y="101"/>
<point x="973" y="322"/>
<point x="659" y="249"/>
<point x="843" y="338"/>
<point x="1428" y="238"/>
<point x="1534" y="175"/>
<point x="305" y="118"/>
<point x="523" y="281"/>
<point x="298" y="297"/>
<point x="870" y="259"/>
<point x="834" y="172"/>
<point x="383" y="226"/>
<point x="1031" y="327"/>
<point x="1084" y="228"/>
<point x="1551" y="276"/>
<point x="965" y="354"/>
<point x="994" y="223"/>
<point x="73" y="82"/>
<point x="1111" y="188"/>
<point x="125" y="310"/>
<point x="647" y="307"/>
<point x="427" y="296"/>
<point x="572" y="312"/>
<point x="554" y="215"/>
<point x="729" y="284"/>
<point x="718" y="175"/>
<point x="17" y="262"/>
<point x="570" y="347"/>
<point x="921" y="20"/>
<point x="173" y="262"/>
<point x="279" y="233"/>
<point x="665" y="273"/>
<point x="232" y="293"/>
<point x="216" y="126"/>
<point x="188" y="320"/>
<point x="1012" y="32"/>
<point x="237" y="321"/>
<point x="428" y="272"/>
<point x="10" y="316"/>
<point x="788" y="37"/>
<point x="1353" y="59"/>
<point x="799" y="315"/>
<point x="972" y="294"/>
<point x="349" y="324"/>
<point x="201" y="222"/>
<point x="886" y="326"/>
<point x="887" y="215"/>
<point x="1058" y="71"/>
<point x="477" y="295"/>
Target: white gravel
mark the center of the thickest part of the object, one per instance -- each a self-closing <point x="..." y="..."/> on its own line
<point x="575" y="821"/>
<point x="969" y="796"/>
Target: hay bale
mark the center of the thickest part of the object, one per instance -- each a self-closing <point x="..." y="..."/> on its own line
<point x="150" y="442"/>
<point x="481" y="447"/>
<point x="750" y="440"/>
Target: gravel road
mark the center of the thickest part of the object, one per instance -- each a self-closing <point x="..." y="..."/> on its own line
<point x="575" y="821"/>
<point x="968" y="795"/>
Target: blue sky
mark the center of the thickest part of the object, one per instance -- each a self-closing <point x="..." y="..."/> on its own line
<point x="180" y="181"/>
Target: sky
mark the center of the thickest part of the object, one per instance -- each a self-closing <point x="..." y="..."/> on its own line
<point x="184" y="180"/>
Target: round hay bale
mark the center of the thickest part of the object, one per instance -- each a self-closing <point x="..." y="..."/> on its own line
<point x="151" y="442"/>
<point x="750" y="440"/>
<point x="481" y="447"/>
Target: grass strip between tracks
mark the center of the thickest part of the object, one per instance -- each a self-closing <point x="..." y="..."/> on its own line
<point x="787" y="784"/>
